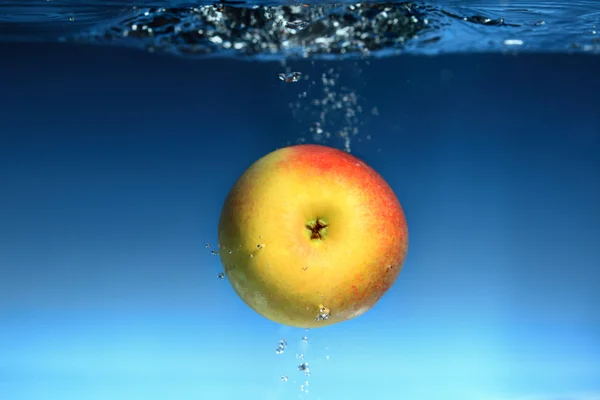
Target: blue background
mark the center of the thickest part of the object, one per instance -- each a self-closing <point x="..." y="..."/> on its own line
<point x="113" y="168"/>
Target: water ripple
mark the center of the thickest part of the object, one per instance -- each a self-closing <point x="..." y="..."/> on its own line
<point x="283" y="30"/>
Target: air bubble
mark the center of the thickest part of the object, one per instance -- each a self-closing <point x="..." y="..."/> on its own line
<point x="284" y="378"/>
<point x="281" y="347"/>
<point x="251" y="256"/>
<point x="304" y="368"/>
<point x="221" y="275"/>
<point x="291" y="77"/>
<point x="324" y="313"/>
<point x="296" y="25"/>
<point x="260" y="246"/>
<point x="214" y="252"/>
<point x="305" y="339"/>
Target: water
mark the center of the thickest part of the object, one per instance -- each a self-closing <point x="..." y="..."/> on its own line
<point x="264" y="30"/>
<point x="118" y="146"/>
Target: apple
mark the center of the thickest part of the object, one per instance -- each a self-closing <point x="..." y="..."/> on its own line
<point x="310" y="236"/>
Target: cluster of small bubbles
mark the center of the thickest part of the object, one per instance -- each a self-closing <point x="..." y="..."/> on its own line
<point x="304" y="387"/>
<point x="304" y="368"/>
<point x="335" y="111"/>
<point x="318" y="134"/>
<point x="281" y="347"/>
<point x="324" y="314"/>
<point x="221" y="275"/>
<point x="284" y="378"/>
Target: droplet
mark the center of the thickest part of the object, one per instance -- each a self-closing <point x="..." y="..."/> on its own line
<point x="284" y="378"/>
<point x="221" y="275"/>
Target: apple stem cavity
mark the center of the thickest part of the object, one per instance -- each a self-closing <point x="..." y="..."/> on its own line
<point x="317" y="228"/>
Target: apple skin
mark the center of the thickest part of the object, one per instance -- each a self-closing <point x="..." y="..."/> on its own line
<point x="303" y="276"/>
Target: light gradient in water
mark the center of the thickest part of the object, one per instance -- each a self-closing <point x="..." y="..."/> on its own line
<point x="113" y="169"/>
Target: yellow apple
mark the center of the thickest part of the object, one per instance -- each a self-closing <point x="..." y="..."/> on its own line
<point x="310" y="236"/>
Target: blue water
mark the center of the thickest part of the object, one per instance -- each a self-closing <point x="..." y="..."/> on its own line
<point x="117" y="152"/>
<point x="188" y="28"/>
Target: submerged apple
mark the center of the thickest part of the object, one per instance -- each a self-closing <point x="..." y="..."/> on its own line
<point x="311" y="236"/>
